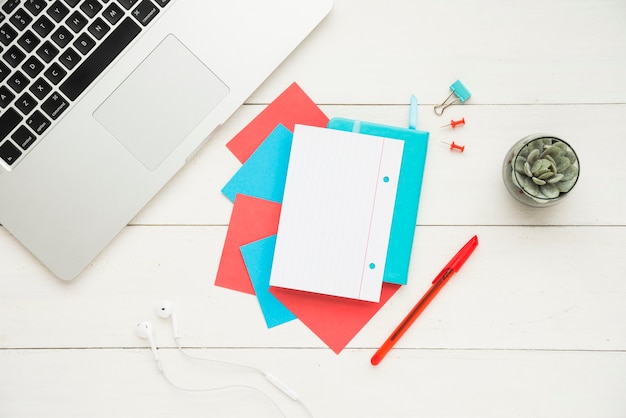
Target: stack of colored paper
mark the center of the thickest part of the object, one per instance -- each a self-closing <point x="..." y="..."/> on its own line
<point x="311" y="280"/>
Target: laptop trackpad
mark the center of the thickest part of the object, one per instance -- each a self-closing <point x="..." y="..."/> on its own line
<point x="161" y="102"/>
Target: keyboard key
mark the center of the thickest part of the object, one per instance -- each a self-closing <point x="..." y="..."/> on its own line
<point x="55" y="105"/>
<point x="58" y="11"/>
<point x="26" y="103"/>
<point x="127" y="4"/>
<point x="47" y="51"/>
<point x="38" y="122"/>
<point x="17" y="81"/>
<point x="32" y="66"/>
<point x="76" y="21"/>
<point x="40" y="88"/>
<point x="7" y="34"/>
<point x="62" y="37"/>
<point x="10" y="5"/>
<point x="14" y="56"/>
<point x="72" y="3"/>
<point x="162" y="3"/>
<point x="101" y="57"/>
<point x="35" y="6"/>
<point x="8" y="121"/>
<point x="145" y="12"/>
<point x="29" y="41"/>
<point x="21" y="19"/>
<point x="55" y="73"/>
<point x="4" y="71"/>
<point x="98" y="28"/>
<point x="84" y="43"/>
<point x="23" y="137"/>
<point x="5" y="96"/>
<point x="43" y="26"/>
<point x="91" y="7"/>
<point x="69" y="58"/>
<point x="9" y="152"/>
<point x="113" y="13"/>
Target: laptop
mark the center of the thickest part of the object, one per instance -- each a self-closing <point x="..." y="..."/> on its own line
<point x="103" y="101"/>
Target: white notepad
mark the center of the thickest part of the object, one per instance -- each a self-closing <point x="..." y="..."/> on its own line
<point x="336" y="213"/>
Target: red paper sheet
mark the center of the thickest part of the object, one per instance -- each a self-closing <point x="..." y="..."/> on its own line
<point x="291" y="107"/>
<point x="333" y="319"/>
<point x="250" y="220"/>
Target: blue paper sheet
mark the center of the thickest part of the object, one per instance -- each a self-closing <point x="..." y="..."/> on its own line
<point x="263" y="174"/>
<point x="258" y="257"/>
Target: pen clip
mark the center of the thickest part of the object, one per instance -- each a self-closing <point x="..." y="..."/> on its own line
<point x="443" y="274"/>
<point x="459" y="259"/>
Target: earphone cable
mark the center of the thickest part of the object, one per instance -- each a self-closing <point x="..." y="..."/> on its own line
<point x="221" y="388"/>
<point x="165" y="310"/>
<point x="220" y="362"/>
<point x="282" y="387"/>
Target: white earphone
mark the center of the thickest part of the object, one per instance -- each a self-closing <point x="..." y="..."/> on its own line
<point x="146" y="330"/>
<point x="165" y="310"/>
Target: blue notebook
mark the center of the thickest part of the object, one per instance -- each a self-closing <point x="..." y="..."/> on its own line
<point x="408" y="194"/>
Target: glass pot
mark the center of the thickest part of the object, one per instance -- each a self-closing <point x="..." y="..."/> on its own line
<point x="540" y="170"/>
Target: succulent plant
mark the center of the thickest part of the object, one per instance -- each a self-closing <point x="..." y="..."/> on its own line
<point x="544" y="168"/>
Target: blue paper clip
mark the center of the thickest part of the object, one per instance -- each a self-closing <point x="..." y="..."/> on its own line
<point x="458" y="90"/>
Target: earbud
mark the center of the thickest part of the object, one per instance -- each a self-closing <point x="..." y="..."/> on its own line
<point x="164" y="310"/>
<point x="145" y="330"/>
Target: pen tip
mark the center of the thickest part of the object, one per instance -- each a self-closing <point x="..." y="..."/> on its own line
<point x="375" y="360"/>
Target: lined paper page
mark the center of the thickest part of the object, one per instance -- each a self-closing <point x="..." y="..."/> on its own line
<point x="337" y="210"/>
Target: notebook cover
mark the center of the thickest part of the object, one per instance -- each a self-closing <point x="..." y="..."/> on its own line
<point x="408" y="195"/>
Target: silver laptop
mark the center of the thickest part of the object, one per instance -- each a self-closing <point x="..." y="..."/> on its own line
<point x="103" y="101"/>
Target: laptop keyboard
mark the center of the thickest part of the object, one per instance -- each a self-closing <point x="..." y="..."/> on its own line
<point x="50" y="52"/>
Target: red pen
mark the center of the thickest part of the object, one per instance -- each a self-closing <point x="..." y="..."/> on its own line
<point x="442" y="278"/>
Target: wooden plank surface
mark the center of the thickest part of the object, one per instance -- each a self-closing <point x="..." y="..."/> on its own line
<point x="533" y="326"/>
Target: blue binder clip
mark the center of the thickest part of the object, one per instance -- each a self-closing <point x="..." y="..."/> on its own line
<point x="458" y="90"/>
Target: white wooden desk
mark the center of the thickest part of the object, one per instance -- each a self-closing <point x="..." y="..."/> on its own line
<point x="533" y="326"/>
